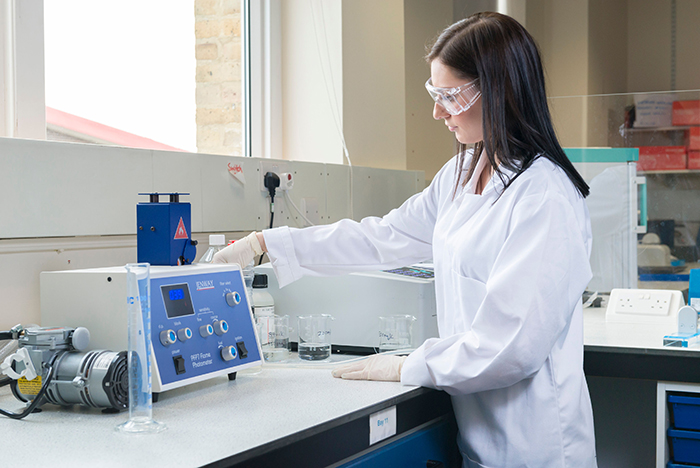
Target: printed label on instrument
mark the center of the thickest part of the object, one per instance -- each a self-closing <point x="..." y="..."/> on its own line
<point x="382" y="425"/>
<point x="201" y="359"/>
<point x="103" y="362"/>
<point x="29" y="387"/>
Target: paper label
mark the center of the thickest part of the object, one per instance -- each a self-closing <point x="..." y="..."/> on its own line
<point x="260" y="311"/>
<point x="382" y="425"/>
<point x="29" y="387"/>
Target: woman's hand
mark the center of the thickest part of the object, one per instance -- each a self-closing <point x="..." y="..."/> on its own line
<point x="242" y="251"/>
<point x="377" y="367"/>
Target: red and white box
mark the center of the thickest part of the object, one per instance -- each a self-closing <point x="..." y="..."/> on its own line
<point x="694" y="138"/>
<point x="686" y="113"/>
<point x="662" y="158"/>
<point x="693" y="159"/>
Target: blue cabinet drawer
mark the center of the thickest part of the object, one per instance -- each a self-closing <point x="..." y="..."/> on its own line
<point x="437" y="443"/>
<point x="685" y="445"/>
<point x="685" y="411"/>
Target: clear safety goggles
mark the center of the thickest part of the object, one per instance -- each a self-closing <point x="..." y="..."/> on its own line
<point x="454" y="100"/>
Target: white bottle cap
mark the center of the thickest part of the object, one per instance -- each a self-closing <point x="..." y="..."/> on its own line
<point x="217" y="239"/>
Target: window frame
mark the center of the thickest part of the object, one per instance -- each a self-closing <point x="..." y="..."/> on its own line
<point x="22" y="95"/>
<point x="262" y="81"/>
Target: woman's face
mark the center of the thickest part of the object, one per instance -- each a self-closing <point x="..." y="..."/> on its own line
<point x="467" y="125"/>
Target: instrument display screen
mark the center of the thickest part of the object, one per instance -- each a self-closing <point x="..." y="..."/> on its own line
<point x="413" y="272"/>
<point x="177" y="299"/>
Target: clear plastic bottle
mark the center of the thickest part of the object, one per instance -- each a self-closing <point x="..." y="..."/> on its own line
<point x="263" y="303"/>
<point x="248" y="275"/>
<point x="216" y="243"/>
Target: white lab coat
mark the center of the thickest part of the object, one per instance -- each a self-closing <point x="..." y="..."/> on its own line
<point x="509" y="274"/>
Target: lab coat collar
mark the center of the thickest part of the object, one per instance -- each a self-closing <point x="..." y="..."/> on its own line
<point x="494" y="184"/>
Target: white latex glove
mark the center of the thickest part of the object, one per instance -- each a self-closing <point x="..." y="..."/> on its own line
<point x="243" y="251"/>
<point x="377" y="367"/>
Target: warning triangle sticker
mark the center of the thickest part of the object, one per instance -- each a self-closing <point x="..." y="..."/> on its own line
<point x="181" y="232"/>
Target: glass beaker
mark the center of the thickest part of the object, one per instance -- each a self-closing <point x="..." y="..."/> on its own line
<point x="314" y="337"/>
<point x="273" y="331"/>
<point x="395" y="332"/>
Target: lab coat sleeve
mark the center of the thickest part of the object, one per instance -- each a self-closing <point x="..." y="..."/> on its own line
<point x="402" y="237"/>
<point x="535" y="284"/>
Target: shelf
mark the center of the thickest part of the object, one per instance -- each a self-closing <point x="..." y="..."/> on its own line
<point x="677" y="128"/>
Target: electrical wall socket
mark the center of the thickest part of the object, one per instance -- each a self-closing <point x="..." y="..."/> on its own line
<point x="271" y="165"/>
<point x="643" y="306"/>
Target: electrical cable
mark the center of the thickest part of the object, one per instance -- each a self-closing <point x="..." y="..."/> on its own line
<point x="289" y="200"/>
<point x="272" y="220"/>
<point x="36" y="402"/>
<point x="271" y="182"/>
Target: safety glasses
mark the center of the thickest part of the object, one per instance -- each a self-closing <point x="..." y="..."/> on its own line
<point x="454" y="100"/>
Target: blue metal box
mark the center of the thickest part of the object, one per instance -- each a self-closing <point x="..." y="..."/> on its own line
<point x="163" y="233"/>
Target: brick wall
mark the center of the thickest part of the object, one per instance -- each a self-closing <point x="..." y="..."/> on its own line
<point x="218" y="53"/>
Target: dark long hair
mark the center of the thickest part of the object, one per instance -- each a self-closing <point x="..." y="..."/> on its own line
<point x="517" y="126"/>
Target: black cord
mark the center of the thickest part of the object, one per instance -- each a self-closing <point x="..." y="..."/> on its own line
<point x="5" y="381"/>
<point x="272" y="220"/>
<point x="36" y="402"/>
<point x="5" y="335"/>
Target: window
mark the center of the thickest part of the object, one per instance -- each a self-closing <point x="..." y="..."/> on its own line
<point x="155" y="74"/>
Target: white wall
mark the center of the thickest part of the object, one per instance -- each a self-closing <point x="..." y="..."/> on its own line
<point x="312" y="80"/>
<point x="360" y="65"/>
<point x="428" y="144"/>
<point x="374" y="82"/>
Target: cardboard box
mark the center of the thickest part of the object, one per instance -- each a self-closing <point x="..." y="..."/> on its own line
<point x="662" y="158"/>
<point x="686" y="112"/>
<point x="693" y="159"/>
<point x="694" y="138"/>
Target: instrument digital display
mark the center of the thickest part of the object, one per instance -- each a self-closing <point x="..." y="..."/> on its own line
<point x="176" y="294"/>
<point x="177" y="299"/>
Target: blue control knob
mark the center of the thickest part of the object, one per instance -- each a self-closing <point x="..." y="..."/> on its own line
<point x="206" y="330"/>
<point x="228" y="353"/>
<point x="220" y="327"/>
<point x="233" y="299"/>
<point x="184" y="334"/>
<point x="167" y="337"/>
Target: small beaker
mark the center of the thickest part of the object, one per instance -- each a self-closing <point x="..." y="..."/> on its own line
<point x="314" y="337"/>
<point x="273" y="331"/>
<point x="395" y="332"/>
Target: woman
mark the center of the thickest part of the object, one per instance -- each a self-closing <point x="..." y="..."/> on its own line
<point x="508" y="231"/>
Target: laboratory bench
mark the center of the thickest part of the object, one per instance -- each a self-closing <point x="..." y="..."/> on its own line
<point x="288" y="416"/>
<point x="630" y="375"/>
<point x="294" y="414"/>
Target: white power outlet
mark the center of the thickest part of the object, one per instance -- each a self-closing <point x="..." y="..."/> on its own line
<point x="286" y="181"/>
<point x="271" y="165"/>
<point x="643" y="305"/>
